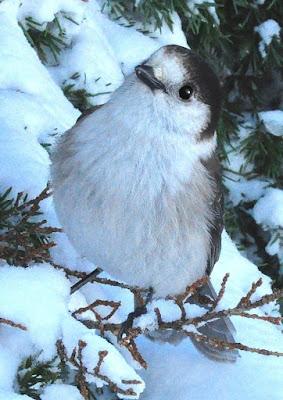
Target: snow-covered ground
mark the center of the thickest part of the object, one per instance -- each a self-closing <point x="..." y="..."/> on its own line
<point x="33" y="111"/>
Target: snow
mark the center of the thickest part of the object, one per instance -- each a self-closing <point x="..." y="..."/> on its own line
<point x="22" y="73"/>
<point x="99" y="42"/>
<point x="34" y="110"/>
<point x="44" y="11"/>
<point x="12" y="396"/>
<point x="32" y="106"/>
<point x="168" y="309"/>
<point x="24" y="163"/>
<point x="273" y="246"/>
<point x="269" y="209"/>
<point x="38" y="297"/>
<point x="60" y="391"/>
<point x="193" y="6"/>
<point x="236" y="179"/>
<point x="267" y="31"/>
<point x="273" y="121"/>
<point x="244" y="187"/>
<point x="29" y="294"/>
<point x="187" y="374"/>
<point x="114" y="365"/>
<point x="47" y="293"/>
<point x="88" y="56"/>
<point x="245" y="190"/>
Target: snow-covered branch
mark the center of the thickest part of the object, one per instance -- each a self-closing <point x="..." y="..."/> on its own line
<point x="186" y="323"/>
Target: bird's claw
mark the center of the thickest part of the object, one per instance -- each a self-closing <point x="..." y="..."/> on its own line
<point x="127" y="325"/>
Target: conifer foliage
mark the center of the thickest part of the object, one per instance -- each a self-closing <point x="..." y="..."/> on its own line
<point x="24" y="236"/>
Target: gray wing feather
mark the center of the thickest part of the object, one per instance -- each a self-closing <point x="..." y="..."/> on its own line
<point x="221" y="329"/>
<point x="213" y="167"/>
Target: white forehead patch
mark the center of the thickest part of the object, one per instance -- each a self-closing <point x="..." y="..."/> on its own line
<point x="167" y="67"/>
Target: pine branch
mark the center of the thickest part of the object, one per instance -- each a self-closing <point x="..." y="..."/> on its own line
<point x="24" y="236"/>
<point x="265" y="151"/>
<point x="43" y="39"/>
<point x="34" y="375"/>
<point x="79" y="96"/>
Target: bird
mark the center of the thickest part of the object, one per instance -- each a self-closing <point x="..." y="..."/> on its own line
<point x="137" y="182"/>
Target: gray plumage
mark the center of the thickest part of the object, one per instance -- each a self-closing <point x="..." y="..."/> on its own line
<point x="137" y="182"/>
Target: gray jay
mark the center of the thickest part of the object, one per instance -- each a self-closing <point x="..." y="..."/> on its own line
<point x="137" y="182"/>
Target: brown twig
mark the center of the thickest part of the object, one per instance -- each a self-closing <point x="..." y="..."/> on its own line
<point x="76" y="359"/>
<point x="231" y="346"/>
<point x="158" y="316"/>
<point x="13" y="324"/>
<point x="240" y="310"/>
<point x="113" y="386"/>
<point x="266" y="299"/>
<point x="131" y="346"/>
<point x="190" y="290"/>
<point x="221" y="291"/>
<point x="111" y="282"/>
<point x="68" y="271"/>
<point x="61" y="351"/>
<point x="91" y="307"/>
<point x="246" y="300"/>
<point x="81" y="375"/>
<point x="181" y="325"/>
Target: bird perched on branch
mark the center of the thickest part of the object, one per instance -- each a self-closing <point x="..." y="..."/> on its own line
<point x="137" y="182"/>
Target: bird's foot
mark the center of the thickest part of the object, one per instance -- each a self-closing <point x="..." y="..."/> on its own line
<point x="127" y="325"/>
<point x="140" y="309"/>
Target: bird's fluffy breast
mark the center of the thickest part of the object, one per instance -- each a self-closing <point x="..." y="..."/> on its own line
<point x="134" y="198"/>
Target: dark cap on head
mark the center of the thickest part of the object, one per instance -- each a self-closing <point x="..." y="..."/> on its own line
<point x="202" y="76"/>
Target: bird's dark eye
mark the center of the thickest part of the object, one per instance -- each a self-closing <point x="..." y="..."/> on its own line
<point x="185" y="92"/>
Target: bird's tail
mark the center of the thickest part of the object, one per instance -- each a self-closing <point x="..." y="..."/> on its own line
<point x="221" y="329"/>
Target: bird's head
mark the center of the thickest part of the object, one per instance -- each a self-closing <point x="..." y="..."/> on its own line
<point x="184" y="88"/>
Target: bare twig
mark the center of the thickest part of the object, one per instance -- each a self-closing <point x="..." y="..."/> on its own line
<point x="130" y="344"/>
<point x="190" y="290"/>
<point x="221" y="291"/>
<point x="91" y="307"/>
<point x="61" y="351"/>
<point x="231" y="346"/>
<point x="181" y="324"/>
<point x="13" y="324"/>
<point x="133" y="289"/>
<point x="81" y="376"/>
<point x="158" y="316"/>
<point x="115" y="388"/>
<point x="246" y="300"/>
<point x="68" y="271"/>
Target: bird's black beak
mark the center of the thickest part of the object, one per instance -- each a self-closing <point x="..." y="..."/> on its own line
<point x="146" y="75"/>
